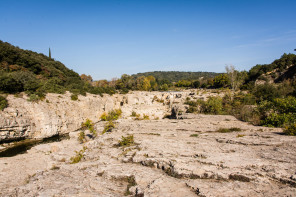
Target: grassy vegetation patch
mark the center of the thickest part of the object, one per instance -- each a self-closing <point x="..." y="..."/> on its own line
<point x="79" y="155"/>
<point x="88" y="124"/>
<point x="74" y="97"/>
<point x="228" y="130"/>
<point x="126" y="141"/>
<point x="112" y="115"/>
<point x="145" y="117"/>
<point x="81" y="137"/>
<point x="109" y="126"/>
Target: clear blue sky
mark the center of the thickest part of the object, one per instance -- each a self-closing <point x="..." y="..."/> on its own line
<point x="107" y="38"/>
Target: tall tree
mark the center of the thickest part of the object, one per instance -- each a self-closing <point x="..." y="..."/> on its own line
<point x="235" y="77"/>
<point x="49" y="53"/>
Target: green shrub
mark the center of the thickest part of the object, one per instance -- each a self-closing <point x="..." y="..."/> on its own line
<point x="112" y="115"/>
<point x="3" y="103"/>
<point x="290" y="129"/>
<point x="9" y="84"/>
<point x="278" y="112"/>
<point x="36" y="97"/>
<point x="109" y="126"/>
<point x="54" y="85"/>
<point x="228" y="130"/>
<point x="145" y="117"/>
<point x="126" y="141"/>
<point x="88" y="124"/>
<point x="266" y="92"/>
<point x="194" y="135"/>
<point x="81" y="137"/>
<point x="192" y="109"/>
<point x="79" y="155"/>
<point x="249" y="113"/>
<point x="195" y="106"/>
<point x="134" y="114"/>
<point x="104" y="117"/>
<point x="213" y="105"/>
<point x="74" y="97"/>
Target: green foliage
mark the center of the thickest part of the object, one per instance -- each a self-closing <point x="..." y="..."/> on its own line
<point x="126" y="141"/>
<point x="81" y="137"/>
<point x="134" y="114"/>
<point x="24" y="70"/>
<point x="88" y="124"/>
<point x="35" y="97"/>
<point x="270" y="92"/>
<point x="183" y="83"/>
<point x="195" y="106"/>
<point x="164" y="87"/>
<point x="278" y="66"/>
<point x="228" y="130"/>
<point x="108" y="126"/>
<point x="196" y="84"/>
<point x="290" y="129"/>
<point x="8" y="84"/>
<point x="266" y="92"/>
<point x="145" y="117"/>
<point x="278" y="112"/>
<point x="49" y="53"/>
<point x="112" y="115"/>
<point x="74" y="97"/>
<point x="79" y="155"/>
<point x="221" y="81"/>
<point x="3" y="103"/>
<point x="213" y="105"/>
<point x="104" y="116"/>
<point x="168" y="77"/>
<point x="194" y="135"/>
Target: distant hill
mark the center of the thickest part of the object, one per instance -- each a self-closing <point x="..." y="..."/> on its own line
<point x="25" y="70"/>
<point x="276" y="72"/>
<point x="175" y="76"/>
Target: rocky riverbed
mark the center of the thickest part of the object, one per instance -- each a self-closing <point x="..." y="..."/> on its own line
<point x="186" y="157"/>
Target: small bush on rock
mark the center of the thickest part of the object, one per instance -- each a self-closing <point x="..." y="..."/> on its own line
<point x="109" y="126"/>
<point x="81" y="137"/>
<point x="226" y="130"/>
<point x="126" y="141"/>
<point x="134" y="114"/>
<point x="74" y="97"/>
<point x="88" y="124"/>
<point x="112" y="115"/>
<point x="145" y="117"/>
<point x="104" y="117"/>
<point x="79" y="155"/>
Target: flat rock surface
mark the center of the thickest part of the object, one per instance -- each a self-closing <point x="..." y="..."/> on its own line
<point x="169" y="158"/>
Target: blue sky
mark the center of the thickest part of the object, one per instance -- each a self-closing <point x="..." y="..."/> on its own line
<point x="107" y="38"/>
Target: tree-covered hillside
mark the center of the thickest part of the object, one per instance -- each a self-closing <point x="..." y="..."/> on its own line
<point x="278" y="71"/>
<point x="175" y="76"/>
<point x="25" y="70"/>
